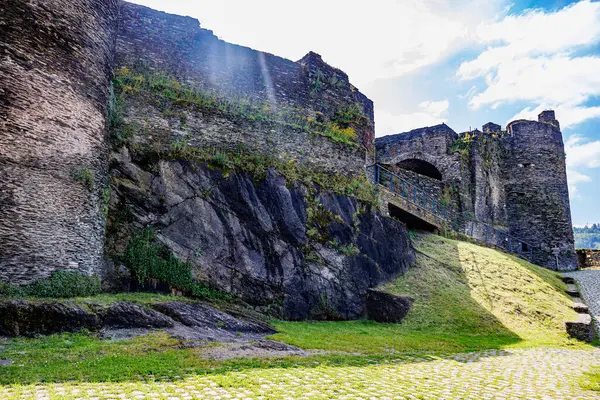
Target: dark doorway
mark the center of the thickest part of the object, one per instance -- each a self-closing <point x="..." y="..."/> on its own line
<point x="411" y="221"/>
<point x="421" y="167"/>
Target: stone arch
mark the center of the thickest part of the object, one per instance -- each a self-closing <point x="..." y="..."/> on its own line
<point x="420" y="167"/>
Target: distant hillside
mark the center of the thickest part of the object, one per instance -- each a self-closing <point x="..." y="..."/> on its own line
<point x="587" y="237"/>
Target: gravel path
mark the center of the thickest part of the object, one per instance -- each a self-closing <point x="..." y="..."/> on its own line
<point x="493" y="374"/>
<point x="589" y="285"/>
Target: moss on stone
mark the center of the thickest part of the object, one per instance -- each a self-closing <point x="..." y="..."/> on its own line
<point x="166" y="92"/>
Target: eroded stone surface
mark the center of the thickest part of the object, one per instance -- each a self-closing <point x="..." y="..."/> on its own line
<point x="55" y="65"/>
<point x="250" y="238"/>
<point x="191" y="321"/>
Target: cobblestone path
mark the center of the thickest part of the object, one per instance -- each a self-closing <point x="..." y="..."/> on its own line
<point x="493" y="374"/>
<point x="589" y="286"/>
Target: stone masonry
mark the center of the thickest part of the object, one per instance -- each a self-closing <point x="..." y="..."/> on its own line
<point x="513" y="181"/>
<point x="57" y="61"/>
<point x="158" y="42"/>
<point x="55" y="66"/>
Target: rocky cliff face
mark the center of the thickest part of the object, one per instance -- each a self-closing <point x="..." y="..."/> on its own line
<point x="281" y="245"/>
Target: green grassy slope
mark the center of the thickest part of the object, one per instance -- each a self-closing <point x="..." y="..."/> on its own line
<point x="467" y="297"/>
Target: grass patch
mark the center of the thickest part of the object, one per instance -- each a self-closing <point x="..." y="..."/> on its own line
<point x="474" y="298"/>
<point x="153" y="357"/>
<point x="591" y="380"/>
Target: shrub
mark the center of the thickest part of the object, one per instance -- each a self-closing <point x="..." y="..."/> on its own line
<point x="148" y="259"/>
<point x="61" y="284"/>
<point x="84" y="176"/>
<point x="342" y="135"/>
<point x="7" y="290"/>
<point x="65" y="284"/>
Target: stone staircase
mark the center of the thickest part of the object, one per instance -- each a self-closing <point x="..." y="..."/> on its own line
<point x="582" y="328"/>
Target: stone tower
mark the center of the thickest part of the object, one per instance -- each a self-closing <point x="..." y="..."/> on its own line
<point x="536" y="188"/>
<point x="55" y="66"/>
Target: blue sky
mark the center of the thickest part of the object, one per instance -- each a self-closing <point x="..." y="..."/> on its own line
<point x="462" y="62"/>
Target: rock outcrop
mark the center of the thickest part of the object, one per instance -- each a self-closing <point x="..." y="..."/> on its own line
<point x="276" y="244"/>
<point x="386" y="307"/>
<point x="194" y="320"/>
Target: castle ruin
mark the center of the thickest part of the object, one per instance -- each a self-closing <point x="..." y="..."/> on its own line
<point x="105" y="107"/>
<point x="505" y="184"/>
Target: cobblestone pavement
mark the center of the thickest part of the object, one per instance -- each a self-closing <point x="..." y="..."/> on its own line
<point x="492" y="374"/>
<point x="589" y="286"/>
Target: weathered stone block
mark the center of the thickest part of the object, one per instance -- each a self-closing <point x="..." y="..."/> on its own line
<point x="581" y="329"/>
<point x="572" y="290"/>
<point x="581" y="308"/>
<point x="386" y="307"/>
<point x="128" y="315"/>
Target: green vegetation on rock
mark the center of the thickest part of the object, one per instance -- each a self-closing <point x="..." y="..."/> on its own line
<point x="168" y="93"/>
<point x="148" y="259"/>
<point x="61" y="284"/>
<point x="85" y="177"/>
<point x="258" y="165"/>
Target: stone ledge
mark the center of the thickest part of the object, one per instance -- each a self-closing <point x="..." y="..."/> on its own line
<point x="582" y="329"/>
<point x="572" y="290"/>
<point x="581" y="308"/>
<point x="32" y="318"/>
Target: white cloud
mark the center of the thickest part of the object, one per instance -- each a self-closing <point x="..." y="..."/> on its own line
<point x="532" y="57"/>
<point x="532" y="33"/>
<point x="567" y="114"/>
<point x="581" y="153"/>
<point x="574" y="178"/>
<point x="429" y="113"/>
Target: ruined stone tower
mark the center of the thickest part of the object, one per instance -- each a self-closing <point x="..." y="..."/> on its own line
<point x="55" y="65"/>
<point x="510" y="187"/>
<point x="537" y="195"/>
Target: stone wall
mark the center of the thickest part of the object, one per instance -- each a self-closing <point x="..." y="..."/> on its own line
<point x="537" y="195"/>
<point x="433" y="145"/>
<point x="210" y="128"/>
<point x="489" y="197"/>
<point x="55" y="66"/>
<point x="157" y="42"/>
<point x="513" y="181"/>
<point x="588" y="258"/>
